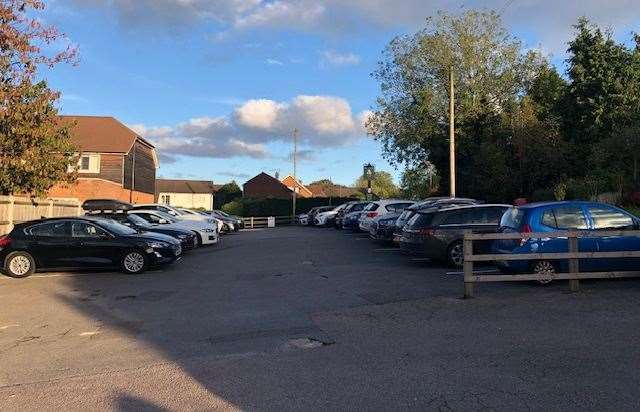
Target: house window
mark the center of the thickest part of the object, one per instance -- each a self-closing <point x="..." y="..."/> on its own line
<point x="166" y="199"/>
<point x="89" y="163"/>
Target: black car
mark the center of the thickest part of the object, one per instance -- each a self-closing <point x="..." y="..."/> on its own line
<point x="382" y="227"/>
<point x="432" y="203"/>
<point x="83" y="243"/>
<point x="186" y="237"/>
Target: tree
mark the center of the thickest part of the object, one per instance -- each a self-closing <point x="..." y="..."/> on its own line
<point x="382" y="185"/>
<point x="227" y="194"/>
<point x="35" y="150"/>
<point x="230" y="188"/>
<point x="490" y="69"/>
<point x="419" y="182"/>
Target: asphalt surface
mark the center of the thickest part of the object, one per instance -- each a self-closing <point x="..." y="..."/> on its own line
<point x="313" y="319"/>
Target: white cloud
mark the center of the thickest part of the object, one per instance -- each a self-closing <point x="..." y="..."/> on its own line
<point x="273" y="62"/>
<point x="548" y="21"/>
<point x="322" y="121"/>
<point x="333" y="58"/>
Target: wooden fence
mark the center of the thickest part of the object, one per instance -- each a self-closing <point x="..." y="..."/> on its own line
<point x="573" y="255"/>
<point x="16" y="209"/>
<point x="263" y="222"/>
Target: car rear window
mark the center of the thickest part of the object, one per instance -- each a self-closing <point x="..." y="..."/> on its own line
<point x="420" y="220"/>
<point x="371" y="207"/>
<point x="52" y="229"/>
<point x="607" y="218"/>
<point x="512" y="218"/>
<point x="567" y="217"/>
<point x="397" y="207"/>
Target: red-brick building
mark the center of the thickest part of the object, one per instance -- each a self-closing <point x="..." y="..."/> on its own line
<point x="264" y="186"/>
<point x="115" y="162"/>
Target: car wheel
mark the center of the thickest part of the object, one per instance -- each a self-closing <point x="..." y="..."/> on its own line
<point x="544" y="268"/>
<point x="19" y="265"/>
<point x="455" y="254"/>
<point x="198" y="239"/>
<point x="134" y="262"/>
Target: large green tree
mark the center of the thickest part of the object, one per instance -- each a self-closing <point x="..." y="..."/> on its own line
<point x="490" y="71"/>
<point x="35" y="150"/>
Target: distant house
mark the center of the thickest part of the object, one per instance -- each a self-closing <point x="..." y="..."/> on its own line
<point x="334" y="190"/>
<point x="190" y="194"/>
<point x="264" y="186"/>
<point x="301" y="190"/>
<point x="114" y="163"/>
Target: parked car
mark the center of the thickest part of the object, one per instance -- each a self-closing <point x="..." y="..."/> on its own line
<point x="83" y="243"/>
<point x="381" y="227"/>
<point x="567" y="215"/>
<point x="314" y="211"/>
<point x="177" y="214"/>
<point x="438" y="233"/>
<point x="355" y="206"/>
<point x="328" y="217"/>
<point x="206" y="233"/>
<point x="352" y="220"/>
<point x="302" y="219"/>
<point x="238" y="221"/>
<point x="117" y="210"/>
<point x="227" y="224"/>
<point x="379" y="208"/>
<point x="429" y="203"/>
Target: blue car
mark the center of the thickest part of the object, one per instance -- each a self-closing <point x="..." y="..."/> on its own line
<point x="352" y="220"/>
<point x="561" y="216"/>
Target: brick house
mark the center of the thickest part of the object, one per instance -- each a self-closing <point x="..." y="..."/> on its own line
<point x="300" y="189"/>
<point x="115" y="162"/>
<point x="264" y="186"/>
<point x="190" y="194"/>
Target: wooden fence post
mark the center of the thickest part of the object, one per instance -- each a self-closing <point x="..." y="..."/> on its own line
<point x="251" y="222"/>
<point x="574" y="263"/>
<point x="10" y="212"/>
<point x="468" y="265"/>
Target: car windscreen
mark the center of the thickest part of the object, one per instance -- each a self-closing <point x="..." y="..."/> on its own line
<point x="137" y="220"/>
<point x="512" y="218"/>
<point x="115" y="227"/>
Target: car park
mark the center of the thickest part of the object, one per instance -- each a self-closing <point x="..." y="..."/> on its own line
<point x="83" y="243"/>
<point x="429" y="203"/>
<point x="562" y="216"/>
<point x="206" y="233"/>
<point x="438" y="233"/>
<point x="379" y="208"/>
<point x="227" y="224"/>
<point x="117" y="210"/>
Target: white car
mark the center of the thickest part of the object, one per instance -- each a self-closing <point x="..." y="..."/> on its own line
<point x="206" y="233"/>
<point x="322" y="218"/>
<point x="303" y="219"/>
<point x="189" y="214"/>
<point x="179" y="214"/>
<point x="380" y="208"/>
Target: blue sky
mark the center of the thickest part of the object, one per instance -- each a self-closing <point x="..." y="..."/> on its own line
<point x="218" y="85"/>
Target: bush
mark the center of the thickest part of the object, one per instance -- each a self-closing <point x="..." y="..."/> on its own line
<point x="233" y="208"/>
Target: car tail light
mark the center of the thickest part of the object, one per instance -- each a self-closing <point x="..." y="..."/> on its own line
<point x="525" y="229"/>
<point x="372" y="214"/>
<point x="4" y="241"/>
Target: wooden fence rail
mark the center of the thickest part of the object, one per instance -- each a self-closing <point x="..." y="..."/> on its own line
<point x="573" y="256"/>
<point x="263" y="222"/>
<point x="17" y="209"/>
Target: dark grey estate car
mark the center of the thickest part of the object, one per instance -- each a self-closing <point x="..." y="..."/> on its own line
<point x="437" y="233"/>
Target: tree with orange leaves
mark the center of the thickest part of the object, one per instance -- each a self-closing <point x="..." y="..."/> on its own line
<point x="35" y="150"/>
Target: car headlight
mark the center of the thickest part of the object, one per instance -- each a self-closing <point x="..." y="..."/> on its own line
<point x="212" y="221"/>
<point x="208" y="230"/>
<point x="156" y="244"/>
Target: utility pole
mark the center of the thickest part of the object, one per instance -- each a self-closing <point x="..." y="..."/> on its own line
<point x="452" y="137"/>
<point x="295" y="177"/>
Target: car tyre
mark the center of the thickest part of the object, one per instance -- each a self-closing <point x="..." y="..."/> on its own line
<point x="134" y="262"/>
<point x="19" y="265"/>
<point x="544" y="267"/>
<point x="198" y="239"/>
<point x="455" y="254"/>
